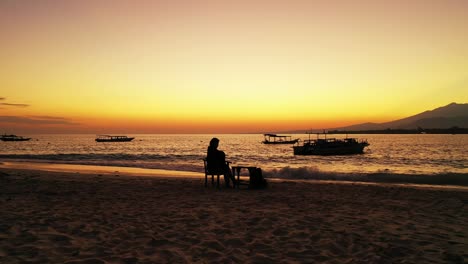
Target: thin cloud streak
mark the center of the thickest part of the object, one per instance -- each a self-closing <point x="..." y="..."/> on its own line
<point x="36" y="121"/>
<point x="15" y="105"/>
<point x="49" y="117"/>
<point x="12" y="104"/>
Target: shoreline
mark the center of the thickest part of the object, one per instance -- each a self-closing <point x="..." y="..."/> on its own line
<point x="423" y="181"/>
<point x="74" y="217"/>
<point x="96" y="169"/>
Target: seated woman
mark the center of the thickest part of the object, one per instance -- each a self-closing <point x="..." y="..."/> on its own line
<point x="216" y="162"/>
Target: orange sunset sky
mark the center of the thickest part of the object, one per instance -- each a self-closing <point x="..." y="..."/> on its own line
<point x="226" y="66"/>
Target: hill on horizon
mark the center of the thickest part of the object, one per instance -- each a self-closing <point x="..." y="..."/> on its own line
<point x="451" y="115"/>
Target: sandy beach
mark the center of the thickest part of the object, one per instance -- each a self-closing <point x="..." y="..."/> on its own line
<point x="76" y="217"/>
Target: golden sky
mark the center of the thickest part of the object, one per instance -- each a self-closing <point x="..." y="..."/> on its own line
<point x="226" y="66"/>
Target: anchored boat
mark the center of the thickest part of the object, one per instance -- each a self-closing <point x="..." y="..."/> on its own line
<point x="109" y="138"/>
<point x="330" y="146"/>
<point x="277" y="139"/>
<point x="13" y="138"/>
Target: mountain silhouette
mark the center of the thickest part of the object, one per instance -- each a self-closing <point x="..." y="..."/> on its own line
<point x="451" y="115"/>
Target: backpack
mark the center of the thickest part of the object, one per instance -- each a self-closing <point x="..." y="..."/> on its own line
<point x="256" y="179"/>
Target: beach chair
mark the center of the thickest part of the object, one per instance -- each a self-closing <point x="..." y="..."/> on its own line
<point x="216" y="173"/>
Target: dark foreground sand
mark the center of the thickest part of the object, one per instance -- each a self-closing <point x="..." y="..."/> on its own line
<point x="59" y="217"/>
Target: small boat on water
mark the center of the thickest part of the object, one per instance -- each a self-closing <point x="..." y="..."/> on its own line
<point x="13" y="138"/>
<point x="109" y="138"/>
<point x="331" y="146"/>
<point x="277" y="139"/>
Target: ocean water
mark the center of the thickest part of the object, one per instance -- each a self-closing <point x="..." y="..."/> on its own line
<point x="422" y="158"/>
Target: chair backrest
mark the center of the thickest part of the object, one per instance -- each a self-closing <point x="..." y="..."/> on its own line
<point x="216" y="171"/>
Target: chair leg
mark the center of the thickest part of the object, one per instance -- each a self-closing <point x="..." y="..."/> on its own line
<point x="212" y="179"/>
<point x="206" y="180"/>
<point x="217" y="181"/>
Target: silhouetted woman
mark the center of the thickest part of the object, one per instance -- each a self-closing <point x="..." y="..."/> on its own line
<point x="216" y="160"/>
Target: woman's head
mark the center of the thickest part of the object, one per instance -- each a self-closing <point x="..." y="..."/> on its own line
<point x="214" y="142"/>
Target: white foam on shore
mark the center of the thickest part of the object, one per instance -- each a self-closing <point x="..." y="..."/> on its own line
<point x="312" y="173"/>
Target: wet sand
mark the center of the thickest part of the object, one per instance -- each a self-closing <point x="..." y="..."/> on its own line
<point x="113" y="217"/>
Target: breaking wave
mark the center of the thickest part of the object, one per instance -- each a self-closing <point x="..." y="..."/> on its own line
<point x="313" y="173"/>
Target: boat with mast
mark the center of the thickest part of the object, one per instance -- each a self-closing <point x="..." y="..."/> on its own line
<point x="330" y="146"/>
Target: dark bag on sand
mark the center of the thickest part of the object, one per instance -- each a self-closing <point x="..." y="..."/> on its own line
<point x="256" y="179"/>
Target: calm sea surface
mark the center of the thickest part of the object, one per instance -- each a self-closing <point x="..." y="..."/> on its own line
<point x="414" y="155"/>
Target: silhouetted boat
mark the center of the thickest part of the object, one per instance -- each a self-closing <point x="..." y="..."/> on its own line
<point x="109" y="138"/>
<point x="331" y="146"/>
<point x="277" y="139"/>
<point x="13" y="138"/>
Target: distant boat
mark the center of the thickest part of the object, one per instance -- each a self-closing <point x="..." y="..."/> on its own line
<point x="109" y="138"/>
<point x="331" y="146"/>
<point x="277" y="139"/>
<point x="13" y="138"/>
